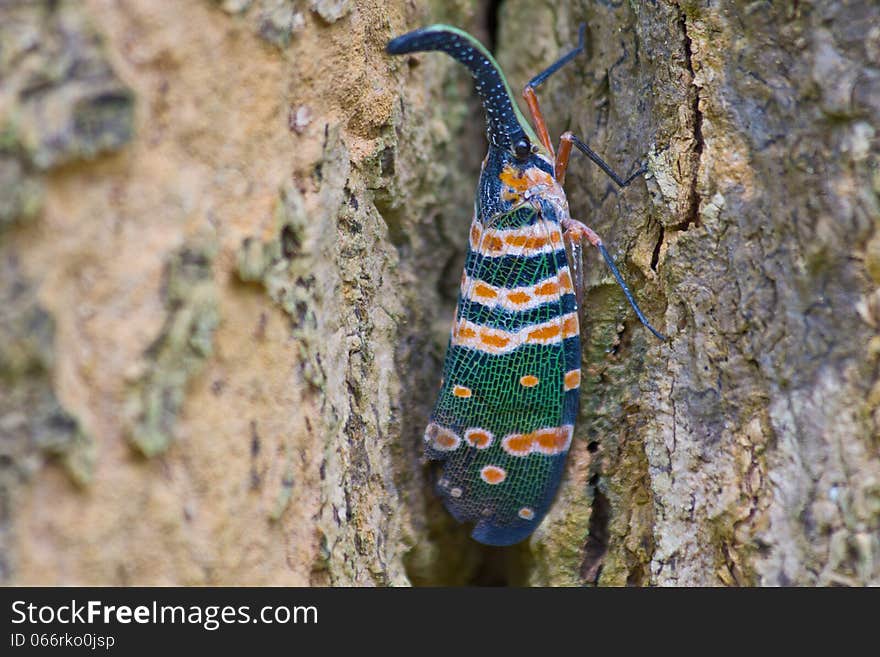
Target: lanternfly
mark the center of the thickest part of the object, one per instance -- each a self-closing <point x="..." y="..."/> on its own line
<point x="504" y="418"/>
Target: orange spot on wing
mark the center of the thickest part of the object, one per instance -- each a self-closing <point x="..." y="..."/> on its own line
<point x="518" y="298"/>
<point x="543" y="333"/>
<point x="572" y="379"/>
<point x="478" y="438"/>
<point x="494" y="244"/>
<point x="529" y="381"/>
<point x="565" y="281"/>
<point x="549" y="442"/>
<point x="552" y="440"/>
<point x="465" y="332"/>
<point x="492" y="474"/>
<point x="461" y="391"/>
<point x="518" y="444"/>
<point x="570" y="326"/>
<point x="526" y="513"/>
<point x="556" y="237"/>
<point x="483" y="290"/>
<point x="475" y="234"/>
<point x="441" y="438"/>
<point x="547" y="289"/>
<point x="446" y="440"/>
<point x="526" y="241"/>
<point x="537" y="243"/>
<point x="494" y="340"/>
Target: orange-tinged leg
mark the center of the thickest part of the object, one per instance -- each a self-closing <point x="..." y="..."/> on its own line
<point x="531" y="97"/>
<point x="562" y="156"/>
<point x="576" y="230"/>
<point x="568" y="139"/>
<point x="538" y="118"/>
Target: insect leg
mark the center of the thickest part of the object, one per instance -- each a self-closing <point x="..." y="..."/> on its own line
<point x="576" y="231"/>
<point x="541" y="77"/>
<point x="531" y="97"/>
<point x="565" y="143"/>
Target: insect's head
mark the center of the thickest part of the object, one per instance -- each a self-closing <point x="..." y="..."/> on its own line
<point x="506" y="127"/>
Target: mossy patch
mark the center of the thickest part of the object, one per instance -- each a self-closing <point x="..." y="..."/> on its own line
<point x="180" y="350"/>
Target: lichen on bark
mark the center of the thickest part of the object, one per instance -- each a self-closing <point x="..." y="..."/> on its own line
<point x="185" y="342"/>
<point x="59" y="102"/>
<point x="61" y="98"/>
<point x="21" y="191"/>
<point x="34" y="426"/>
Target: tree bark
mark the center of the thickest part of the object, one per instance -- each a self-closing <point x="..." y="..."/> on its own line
<point x="231" y="235"/>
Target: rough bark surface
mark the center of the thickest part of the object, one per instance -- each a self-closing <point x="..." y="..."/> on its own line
<point x="231" y="233"/>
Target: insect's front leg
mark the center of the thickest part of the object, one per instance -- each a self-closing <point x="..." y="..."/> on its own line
<point x="565" y="143"/>
<point x="575" y="232"/>
<point x="531" y="97"/>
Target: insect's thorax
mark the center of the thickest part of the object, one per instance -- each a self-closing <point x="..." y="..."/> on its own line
<point x="507" y="184"/>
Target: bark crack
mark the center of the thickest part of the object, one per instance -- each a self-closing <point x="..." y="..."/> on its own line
<point x="655" y="256"/>
<point x="669" y="451"/>
<point x="692" y="213"/>
<point x="493" y="10"/>
<point x="596" y="545"/>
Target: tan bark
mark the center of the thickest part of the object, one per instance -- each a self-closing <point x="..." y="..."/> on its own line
<point x="231" y="234"/>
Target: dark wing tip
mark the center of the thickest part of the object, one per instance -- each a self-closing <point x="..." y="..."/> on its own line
<point x="490" y="534"/>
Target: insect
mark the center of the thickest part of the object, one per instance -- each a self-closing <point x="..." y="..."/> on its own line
<point x="503" y="421"/>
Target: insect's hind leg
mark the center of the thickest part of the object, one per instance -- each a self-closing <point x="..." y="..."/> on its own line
<point x="531" y="97"/>
<point x="575" y="231"/>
